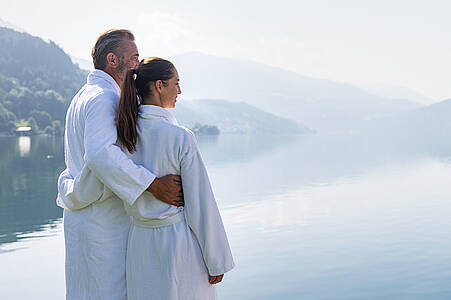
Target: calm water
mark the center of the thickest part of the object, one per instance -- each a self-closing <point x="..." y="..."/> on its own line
<point x="308" y="217"/>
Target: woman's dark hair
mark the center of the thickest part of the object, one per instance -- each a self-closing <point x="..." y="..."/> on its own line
<point x="136" y="86"/>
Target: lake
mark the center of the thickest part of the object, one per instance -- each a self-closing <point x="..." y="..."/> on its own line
<point x="308" y="216"/>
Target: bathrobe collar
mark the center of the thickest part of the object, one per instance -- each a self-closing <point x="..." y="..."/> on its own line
<point x="153" y="111"/>
<point x="99" y="77"/>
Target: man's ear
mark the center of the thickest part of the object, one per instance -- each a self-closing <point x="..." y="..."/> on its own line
<point x="112" y="59"/>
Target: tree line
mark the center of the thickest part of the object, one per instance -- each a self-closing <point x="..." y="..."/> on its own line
<point x="37" y="82"/>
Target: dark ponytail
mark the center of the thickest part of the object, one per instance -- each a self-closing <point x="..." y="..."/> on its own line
<point x="135" y="89"/>
<point x="127" y="113"/>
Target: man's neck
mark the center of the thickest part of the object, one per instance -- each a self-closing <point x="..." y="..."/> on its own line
<point x="113" y="74"/>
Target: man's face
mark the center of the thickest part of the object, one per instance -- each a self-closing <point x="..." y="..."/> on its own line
<point x="129" y="57"/>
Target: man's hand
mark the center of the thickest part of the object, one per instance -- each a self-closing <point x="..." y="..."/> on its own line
<point x="215" y="279"/>
<point x="168" y="189"/>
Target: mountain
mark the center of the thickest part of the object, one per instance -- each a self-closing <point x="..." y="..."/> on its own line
<point x="234" y="117"/>
<point x="321" y="104"/>
<point x="37" y="81"/>
<point x="433" y="120"/>
<point x="37" y="64"/>
<point x="82" y="63"/>
<point x="426" y="129"/>
<point x="396" y="92"/>
<point x="6" y="24"/>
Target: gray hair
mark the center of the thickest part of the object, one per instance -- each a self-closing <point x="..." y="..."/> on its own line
<point x="109" y="42"/>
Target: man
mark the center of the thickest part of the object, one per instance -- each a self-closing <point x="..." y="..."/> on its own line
<point x="98" y="173"/>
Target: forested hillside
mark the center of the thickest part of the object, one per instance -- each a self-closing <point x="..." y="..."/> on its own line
<point x="37" y="82"/>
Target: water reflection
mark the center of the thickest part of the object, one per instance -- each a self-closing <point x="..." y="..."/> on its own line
<point x="312" y="217"/>
<point x="302" y="162"/>
<point x="234" y="148"/>
<point x="24" y="143"/>
<point x="378" y="236"/>
<point x="243" y="169"/>
<point x="30" y="166"/>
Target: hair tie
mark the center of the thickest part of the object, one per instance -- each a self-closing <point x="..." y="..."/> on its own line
<point x="134" y="74"/>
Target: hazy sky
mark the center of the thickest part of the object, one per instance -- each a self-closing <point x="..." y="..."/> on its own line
<point x="400" y="42"/>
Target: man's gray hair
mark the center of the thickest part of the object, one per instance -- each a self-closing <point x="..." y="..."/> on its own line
<point x="107" y="42"/>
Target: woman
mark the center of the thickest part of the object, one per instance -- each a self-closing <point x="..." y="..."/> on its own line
<point x="173" y="252"/>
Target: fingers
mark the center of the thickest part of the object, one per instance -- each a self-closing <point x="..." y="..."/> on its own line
<point x="176" y="178"/>
<point x="215" y="279"/>
<point x="168" y="189"/>
<point x="178" y="203"/>
<point x="219" y="278"/>
<point x="172" y="179"/>
<point x="171" y="199"/>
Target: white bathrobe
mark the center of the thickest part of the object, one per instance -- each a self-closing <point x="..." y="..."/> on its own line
<point x="172" y="250"/>
<point x="95" y="223"/>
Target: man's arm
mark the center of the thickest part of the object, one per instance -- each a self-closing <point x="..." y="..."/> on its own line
<point x="86" y="188"/>
<point x="77" y="193"/>
<point x="111" y="165"/>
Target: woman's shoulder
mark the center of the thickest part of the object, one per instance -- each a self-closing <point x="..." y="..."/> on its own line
<point x="182" y="132"/>
<point x="180" y="136"/>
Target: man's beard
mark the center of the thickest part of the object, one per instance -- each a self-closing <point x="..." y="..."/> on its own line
<point x="121" y="69"/>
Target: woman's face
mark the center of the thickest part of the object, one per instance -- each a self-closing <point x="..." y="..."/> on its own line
<point x="169" y="93"/>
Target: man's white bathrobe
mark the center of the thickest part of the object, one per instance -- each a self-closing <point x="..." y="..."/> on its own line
<point x="171" y="250"/>
<point x="96" y="225"/>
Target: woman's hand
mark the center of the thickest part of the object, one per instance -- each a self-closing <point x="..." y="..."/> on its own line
<point x="215" y="279"/>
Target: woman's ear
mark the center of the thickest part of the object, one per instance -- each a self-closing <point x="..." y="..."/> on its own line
<point x="159" y="86"/>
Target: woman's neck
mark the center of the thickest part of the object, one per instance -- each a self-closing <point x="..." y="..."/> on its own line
<point x="152" y="100"/>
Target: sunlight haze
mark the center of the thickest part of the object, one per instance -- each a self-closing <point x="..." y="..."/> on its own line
<point x="401" y="43"/>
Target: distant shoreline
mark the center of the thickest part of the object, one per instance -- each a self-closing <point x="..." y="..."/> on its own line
<point x="4" y="134"/>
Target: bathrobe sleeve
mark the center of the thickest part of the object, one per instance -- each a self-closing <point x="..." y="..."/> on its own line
<point x="201" y="211"/>
<point x="79" y="192"/>
<point x="104" y="160"/>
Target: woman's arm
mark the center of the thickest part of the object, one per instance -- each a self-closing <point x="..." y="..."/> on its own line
<point x="202" y="213"/>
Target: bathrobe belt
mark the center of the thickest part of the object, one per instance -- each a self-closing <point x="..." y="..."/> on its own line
<point x="154" y="223"/>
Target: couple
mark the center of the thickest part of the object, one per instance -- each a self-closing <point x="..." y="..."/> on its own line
<point x="120" y="146"/>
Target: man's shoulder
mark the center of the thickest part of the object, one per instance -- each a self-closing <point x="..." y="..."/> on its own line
<point x="92" y="94"/>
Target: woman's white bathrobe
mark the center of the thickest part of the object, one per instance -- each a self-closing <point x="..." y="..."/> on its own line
<point x="96" y="225"/>
<point x="171" y="250"/>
